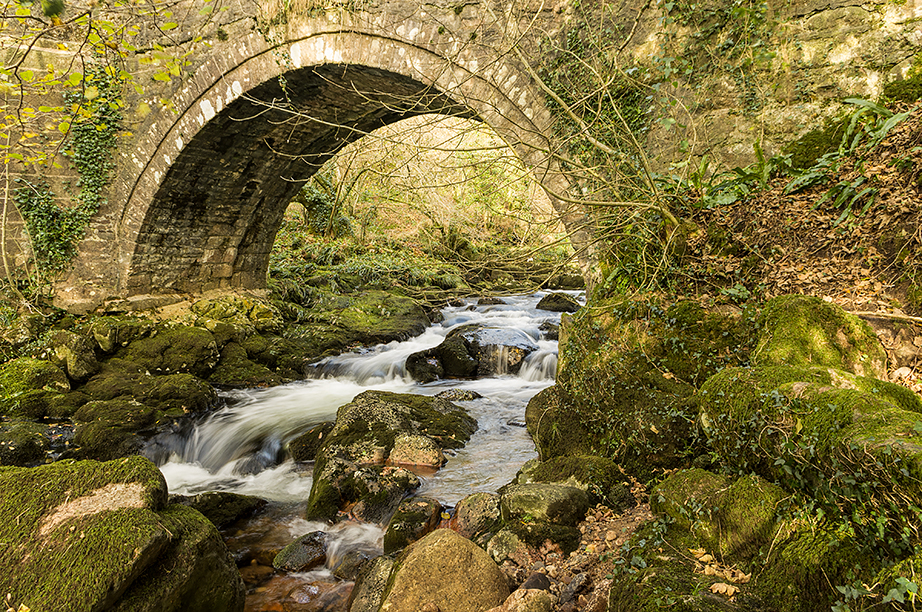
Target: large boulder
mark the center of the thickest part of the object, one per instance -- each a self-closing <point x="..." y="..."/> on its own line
<point x="626" y="376"/>
<point x="97" y="536"/>
<point x="349" y="465"/>
<point x="599" y="477"/>
<point x="172" y="394"/>
<point x="174" y="349"/>
<point x="801" y="330"/>
<point x="448" y="571"/>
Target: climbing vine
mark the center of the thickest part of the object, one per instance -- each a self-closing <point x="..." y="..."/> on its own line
<point x="53" y="229"/>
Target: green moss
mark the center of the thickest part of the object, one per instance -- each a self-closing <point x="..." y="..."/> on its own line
<point x="814" y="144"/>
<point x="174" y="349"/>
<point x="731" y="519"/>
<point x="80" y="561"/>
<point x="799" y="330"/>
<point x="600" y="477"/>
<point x="306" y="445"/>
<point x="107" y="429"/>
<point x="195" y="573"/>
<point x="222" y="508"/>
<point x="802" y="572"/>
<point x="175" y="394"/>
<point x="627" y="370"/>
<point x="236" y="370"/>
<point x="415" y="517"/>
<point x="905" y="90"/>
<point x="25" y="384"/>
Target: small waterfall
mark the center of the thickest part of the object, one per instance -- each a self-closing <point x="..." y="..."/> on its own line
<point x="239" y="447"/>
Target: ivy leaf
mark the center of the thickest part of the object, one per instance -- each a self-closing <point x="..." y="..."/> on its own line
<point x="170" y="25"/>
<point x="162" y="76"/>
<point x="26" y="75"/>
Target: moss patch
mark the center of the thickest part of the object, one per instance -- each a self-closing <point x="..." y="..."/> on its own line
<point x="25" y="384"/>
<point x="598" y="476"/>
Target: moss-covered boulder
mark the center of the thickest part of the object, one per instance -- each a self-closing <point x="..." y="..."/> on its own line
<point x="73" y="353"/>
<point x="109" y="429"/>
<point x="26" y="385"/>
<point x="94" y="536"/>
<point x="336" y="322"/>
<point x="372" y="491"/>
<point x="600" y="477"/>
<point x="172" y="394"/>
<point x="733" y="519"/>
<point x="241" y="312"/>
<point x="365" y="433"/>
<point x="800" y="330"/>
<point x="173" y="349"/>
<point x="414" y="518"/>
<point x="22" y="443"/>
<point x="305" y="553"/>
<point x="544" y="502"/>
<point x="776" y="419"/>
<point x="114" y="332"/>
<point x="626" y="374"/>
<point x="235" y="369"/>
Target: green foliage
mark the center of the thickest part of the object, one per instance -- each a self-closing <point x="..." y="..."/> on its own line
<point x="55" y="229"/>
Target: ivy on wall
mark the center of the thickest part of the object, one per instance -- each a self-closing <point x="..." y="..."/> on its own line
<point x="53" y="229"/>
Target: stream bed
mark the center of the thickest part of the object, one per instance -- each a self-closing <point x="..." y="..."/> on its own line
<point x="240" y="448"/>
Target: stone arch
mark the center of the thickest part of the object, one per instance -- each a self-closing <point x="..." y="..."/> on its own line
<point x="202" y="191"/>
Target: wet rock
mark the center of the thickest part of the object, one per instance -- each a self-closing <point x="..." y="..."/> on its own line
<point x="558" y="302"/>
<point x="222" y="507"/>
<point x="472" y="350"/>
<point x="305" y="553"/>
<point x="544" y="502"/>
<point x="476" y="514"/>
<point x="370" y="584"/>
<point x="415" y="517"/>
<point x="98" y="536"/>
<point x="22" y="443"/>
<point x="306" y="445"/>
<point x="490" y="301"/>
<point x="350" y="564"/>
<point x="365" y="433"/>
<point x="458" y="395"/>
<point x="235" y="369"/>
<point x="549" y="330"/>
<point x="537" y="580"/>
<point x="416" y="450"/>
<point x="445" y="570"/>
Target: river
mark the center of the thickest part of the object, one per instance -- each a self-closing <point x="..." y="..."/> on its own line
<point x="240" y="448"/>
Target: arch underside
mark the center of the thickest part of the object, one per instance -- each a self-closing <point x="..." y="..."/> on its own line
<point x="213" y="220"/>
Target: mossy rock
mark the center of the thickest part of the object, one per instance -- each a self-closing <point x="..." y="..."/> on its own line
<point x="803" y="570"/>
<point x="372" y="491"/>
<point x="114" y="332"/>
<point x="22" y="443"/>
<point x="173" y="349"/>
<point x="195" y="573"/>
<point x="73" y="353"/>
<point x="236" y="370"/>
<point x="626" y="374"/>
<point x="241" y="312"/>
<point x="415" y="517"/>
<point x="305" y="446"/>
<point x="173" y="394"/>
<point x="108" y="429"/>
<point x="366" y="318"/>
<point x="25" y="385"/>
<point x="600" y="477"/>
<point x="732" y="519"/>
<point x="800" y="330"/>
<point x="536" y="533"/>
<point x="304" y="554"/>
<point x="751" y="415"/>
<point x="477" y="514"/>
<point x="222" y="508"/>
<point x="558" y="302"/>
<point x="78" y="533"/>
<point x="543" y="502"/>
<point x="905" y="90"/>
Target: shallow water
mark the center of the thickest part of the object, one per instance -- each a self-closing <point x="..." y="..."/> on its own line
<point x="240" y="448"/>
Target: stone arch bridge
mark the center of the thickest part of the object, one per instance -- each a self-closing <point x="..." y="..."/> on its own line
<point x="200" y="192"/>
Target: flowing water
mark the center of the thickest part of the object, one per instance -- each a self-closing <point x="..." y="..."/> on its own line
<point x="240" y="448"/>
